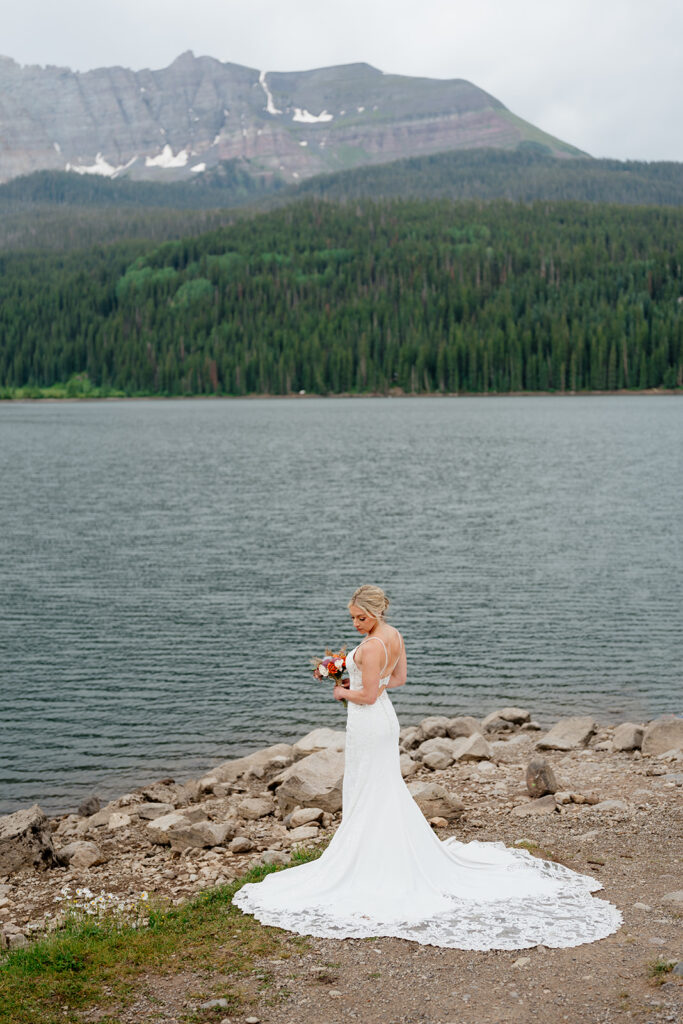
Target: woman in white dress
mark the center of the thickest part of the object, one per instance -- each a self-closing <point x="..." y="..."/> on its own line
<point x="386" y="873"/>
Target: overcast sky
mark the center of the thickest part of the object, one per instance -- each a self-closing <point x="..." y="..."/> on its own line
<point x="604" y="75"/>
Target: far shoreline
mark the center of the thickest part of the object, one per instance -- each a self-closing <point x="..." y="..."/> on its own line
<point x="291" y="396"/>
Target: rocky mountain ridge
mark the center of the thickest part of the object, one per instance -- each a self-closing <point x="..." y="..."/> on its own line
<point x="178" y="122"/>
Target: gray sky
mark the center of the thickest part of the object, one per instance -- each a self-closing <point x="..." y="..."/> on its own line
<point x="604" y="75"/>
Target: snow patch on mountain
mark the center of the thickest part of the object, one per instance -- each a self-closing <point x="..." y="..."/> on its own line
<point x="166" y="159"/>
<point x="305" y="117"/>
<point x="101" y="167"/>
<point x="198" y="168"/>
<point x="270" y="106"/>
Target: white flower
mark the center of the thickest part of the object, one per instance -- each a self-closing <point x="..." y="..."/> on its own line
<point x="339" y="662"/>
<point x="324" y="671"/>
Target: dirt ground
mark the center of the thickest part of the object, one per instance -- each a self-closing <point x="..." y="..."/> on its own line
<point x="636" y="852"/>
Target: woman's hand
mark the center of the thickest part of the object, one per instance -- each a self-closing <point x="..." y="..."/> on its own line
<point x="340" y="692"/>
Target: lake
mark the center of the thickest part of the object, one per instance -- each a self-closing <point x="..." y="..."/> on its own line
<point x="169" y="568"/>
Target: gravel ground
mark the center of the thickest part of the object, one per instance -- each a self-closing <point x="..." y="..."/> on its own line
<point x="635" y="850"/>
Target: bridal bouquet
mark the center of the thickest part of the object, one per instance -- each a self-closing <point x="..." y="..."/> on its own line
<point x="331" y="666"/>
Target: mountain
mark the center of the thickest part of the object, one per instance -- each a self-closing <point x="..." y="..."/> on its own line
<point x="181" y="121"/>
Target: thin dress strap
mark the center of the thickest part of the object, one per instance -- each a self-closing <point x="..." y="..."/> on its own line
<point x="386" y="652"/>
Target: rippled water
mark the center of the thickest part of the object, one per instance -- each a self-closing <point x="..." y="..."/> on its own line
<point x="168" y="568"/>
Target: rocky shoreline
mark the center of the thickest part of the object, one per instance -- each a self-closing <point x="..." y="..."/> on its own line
<point x="169" y="840"/>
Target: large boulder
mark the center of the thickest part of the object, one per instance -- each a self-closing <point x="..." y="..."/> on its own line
<point x="408" y="766"/>
<point x="159" y="830"/>
<point x="320" y="739"/>
<point x="25" y="839"/>
<point x="261" y="761"/>
<point x="494" y="723"/>
<point x="628" y="736"/>
<point x="81" y="854"/>
<point x="440" y="744"/>
<point x="463" y="725"/>
<point x="662" y="735"/>
<point x="568" y="734"/>
<point x="471" y="748"/>
<point x="518" y="716"/>
<point x="151" y="810"/>
<point x="544" y="805"/>
<point x="314" y="781"/>
<point x="409" y="738"/>
<point x="540" y="778"/>
<point x="434" y="801"/>
<point x="435" y="725"/>
<point x="256" y="807"/>
<point x="199" y="834"/>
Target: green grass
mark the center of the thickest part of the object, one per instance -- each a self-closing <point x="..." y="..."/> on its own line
<point x="658" y="969"/>
<point x="89" y="963"/>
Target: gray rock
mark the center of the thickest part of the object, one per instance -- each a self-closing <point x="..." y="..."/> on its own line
<point x="13" y="939"/>
<point x="159" y="830"/>
<point x="440" y="744"/>
<point x="544" y="805"/>
<point x="434" y="726"/>
<point x="463" y="725"/>
<point x="410" y="737"/>
<point x="256" y="807"/>
<point x="678" y="969"/>
<point x="540" y="778"/>
<point x="471" y="748"/>
<point x="437" y="760"/>
<point x="611" y="805"/>
<point x="434" y="801"/>
<point x="628" y="736"/>
<point x="25" y="840"/>
<point x="494" y="723"/>
<point x="275" y="857"/>
<point x="241" y="844"/>
<point x="303" y="833"/>
<point x="200" y="834"/>
<point x="81" y="854"/>
<point x="408" y="766"/>
<point x="315" y="781"/>
<point x="214" y="1004"/>
<point x="150" y="811"/>
<point x="90" y="805"/>
<point x="117" y="819"/>
<point x="304" y="816"/>
<point x="265" y="760"/>
<point x="663" y="735"/>
<point x="674" y="897"/>
<point x="568" y="734"/>
<point x="320" y="739"/>
<point x="515" y="715"/>
<point x="532" y="727"/>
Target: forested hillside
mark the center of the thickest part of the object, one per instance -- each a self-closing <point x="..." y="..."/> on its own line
<point x="53" y="209"/>
<point x="418" y="296"/>
<point x="528" y="173"/>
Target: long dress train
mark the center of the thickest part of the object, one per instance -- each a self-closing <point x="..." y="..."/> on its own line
<point x="385" y="872"/>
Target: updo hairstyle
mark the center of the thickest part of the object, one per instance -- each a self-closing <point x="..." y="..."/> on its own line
<point x="371" y="599"/>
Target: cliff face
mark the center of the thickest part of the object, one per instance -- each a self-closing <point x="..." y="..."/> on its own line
<point x="183" y="119"/>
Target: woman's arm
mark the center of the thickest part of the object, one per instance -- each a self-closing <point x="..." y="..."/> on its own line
<point x="370" y="670"/>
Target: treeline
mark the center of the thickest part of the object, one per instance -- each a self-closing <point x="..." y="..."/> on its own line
<point x="526" y="174"/>
<point x="53" y="209"/>
<point x="419" y="296"/>
<point x="227" y="184"/>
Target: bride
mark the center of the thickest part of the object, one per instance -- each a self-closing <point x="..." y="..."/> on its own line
<point x="386" y="873"/>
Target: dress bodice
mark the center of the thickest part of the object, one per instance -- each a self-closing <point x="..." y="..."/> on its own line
<point x="355" y="673"/>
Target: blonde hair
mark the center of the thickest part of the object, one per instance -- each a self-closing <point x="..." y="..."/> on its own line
<point x="371" y="599"/>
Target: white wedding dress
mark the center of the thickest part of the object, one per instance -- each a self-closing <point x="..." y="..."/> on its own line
<point x="386" y="873"/>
